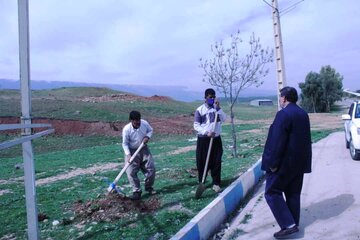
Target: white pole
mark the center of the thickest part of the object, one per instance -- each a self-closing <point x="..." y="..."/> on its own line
<point x="279" y="52"/>
<point x="28" y="157"/>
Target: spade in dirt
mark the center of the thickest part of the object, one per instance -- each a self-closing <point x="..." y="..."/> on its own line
<point x="113" y="187"/>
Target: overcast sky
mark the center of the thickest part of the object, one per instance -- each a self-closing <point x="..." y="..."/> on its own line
<point x="160" y="42"/>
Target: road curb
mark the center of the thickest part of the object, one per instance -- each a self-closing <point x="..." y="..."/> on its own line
<point x="208" y="220"/>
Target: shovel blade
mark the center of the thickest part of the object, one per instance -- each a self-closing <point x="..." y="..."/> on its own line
<point x="111" y="187"/>
<point x="199" y="191"/>
<point x="119" y="191"/>
<point x="115" y="189"/>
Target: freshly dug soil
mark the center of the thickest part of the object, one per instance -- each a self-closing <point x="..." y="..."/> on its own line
<point x="113" y="206"/>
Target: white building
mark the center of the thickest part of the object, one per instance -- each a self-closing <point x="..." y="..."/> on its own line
<point x="261" y="102"/>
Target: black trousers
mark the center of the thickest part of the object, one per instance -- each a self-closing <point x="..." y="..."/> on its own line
<point x="214" y="165"/>
<point x="285" y="210"/>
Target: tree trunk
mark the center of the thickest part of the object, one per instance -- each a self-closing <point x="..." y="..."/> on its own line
<point x="314" y="106"/>
<point x="327" y="106"/>
<point x="234" y="151"/>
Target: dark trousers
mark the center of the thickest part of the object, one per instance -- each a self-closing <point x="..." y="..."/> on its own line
<point x="214" y="165"/>
<point x="144" y="162"/>
<point x="285" y="210"/>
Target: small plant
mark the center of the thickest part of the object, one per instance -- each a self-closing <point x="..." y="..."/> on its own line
<point x="247" y="217"/>
<point x="235" y="234"/>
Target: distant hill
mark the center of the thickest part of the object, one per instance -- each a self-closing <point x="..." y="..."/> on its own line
<point x="180" y="93"/>
<point x="92" y="104"/>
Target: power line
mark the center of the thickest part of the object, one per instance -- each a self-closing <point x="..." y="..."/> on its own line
<point x="286" y="10"/>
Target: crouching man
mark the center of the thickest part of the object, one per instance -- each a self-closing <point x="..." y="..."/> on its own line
<point x="133" y="134"/>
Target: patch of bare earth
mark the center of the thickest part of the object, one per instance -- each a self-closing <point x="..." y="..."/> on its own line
<point x="260" y="121"/>
<point x="172" y="125"/>
<point x="183" y="150"/>
<point x="320" y="121"/>
<point x="180" y="207"/>
<point x="112" y="207"/>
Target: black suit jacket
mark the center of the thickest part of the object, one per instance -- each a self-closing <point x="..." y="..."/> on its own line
<point x="288" y="146"/>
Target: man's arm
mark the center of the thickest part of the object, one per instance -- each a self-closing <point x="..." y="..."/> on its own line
<point x="149" y="132"/>
<point x="198" y="124"/>
<point x="280" y="138"/>
<point x="221" y="113"/>
<point x="149" y="129"/>
<point x="125" y="141"/>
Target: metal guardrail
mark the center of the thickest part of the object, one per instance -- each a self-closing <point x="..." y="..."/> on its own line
<point x="19" y="126"/>
<point x="23" y="139"/>
<point x="29" y="172"/>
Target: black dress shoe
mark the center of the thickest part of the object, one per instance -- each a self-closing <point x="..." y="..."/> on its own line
<point x="136" y="196"/>
<point x="286" y="232"/>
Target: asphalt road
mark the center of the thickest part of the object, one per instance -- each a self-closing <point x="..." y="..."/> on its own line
<point x="330" y="200"/>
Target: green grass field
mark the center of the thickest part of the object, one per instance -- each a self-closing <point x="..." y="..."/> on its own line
<point x="175" y="180"/>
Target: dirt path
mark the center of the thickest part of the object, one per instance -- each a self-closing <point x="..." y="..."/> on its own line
<point x="77" y="172"/>
<point x="183" y="150"/>
<point x="81" y="171"/>
<point x="96" y="168"/>
<point x="74" y="173"/>
<point x="2" y="192"/>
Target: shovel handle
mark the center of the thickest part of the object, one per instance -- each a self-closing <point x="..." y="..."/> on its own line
<point x="127" y="164"/>
<point x="207" y="160"/>
<point x="209" y="150"/>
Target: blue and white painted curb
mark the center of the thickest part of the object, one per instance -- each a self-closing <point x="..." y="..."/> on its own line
<point x="208" y="220"/>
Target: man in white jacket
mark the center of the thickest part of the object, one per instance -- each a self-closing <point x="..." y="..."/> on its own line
<point x="204" y="124"/>
<point x="133" y="134"/>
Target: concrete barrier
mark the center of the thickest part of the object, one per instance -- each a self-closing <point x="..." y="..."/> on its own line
<point x="208" y="220"/>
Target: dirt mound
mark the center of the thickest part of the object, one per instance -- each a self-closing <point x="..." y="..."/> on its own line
<point x="174" y="125"/>
<point x="124" y="97"/>
<point x="160" y="98"/>
<point x="112" y="207"/>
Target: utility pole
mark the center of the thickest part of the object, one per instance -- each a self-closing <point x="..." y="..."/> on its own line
<point x="279" y="52"/>
<point x="28" y="156"/>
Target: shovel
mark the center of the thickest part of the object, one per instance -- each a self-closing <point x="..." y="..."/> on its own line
<point x="112" y="185"/>
<point x="201" y="188"/>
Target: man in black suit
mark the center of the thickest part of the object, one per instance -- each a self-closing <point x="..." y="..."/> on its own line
<point x="286" y="157"/>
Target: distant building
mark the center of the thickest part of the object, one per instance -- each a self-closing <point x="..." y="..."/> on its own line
<point x="261" y="102"/>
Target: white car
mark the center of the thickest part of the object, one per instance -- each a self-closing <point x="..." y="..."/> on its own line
<point x="352" y="130"/>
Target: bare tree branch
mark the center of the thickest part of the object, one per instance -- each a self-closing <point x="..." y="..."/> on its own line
<point x="230" y="73"/>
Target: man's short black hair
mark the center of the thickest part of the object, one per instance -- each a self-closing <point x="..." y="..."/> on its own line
<point x="289" y="93"/>
<point x="134" y="115"/>
<point x="209" y="91"/>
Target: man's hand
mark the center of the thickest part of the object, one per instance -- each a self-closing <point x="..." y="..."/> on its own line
<point x="211" y="134"/>
<point x="127" y="158"/>
<point x="145" y="139"/>
<point x="217" y="103"/>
